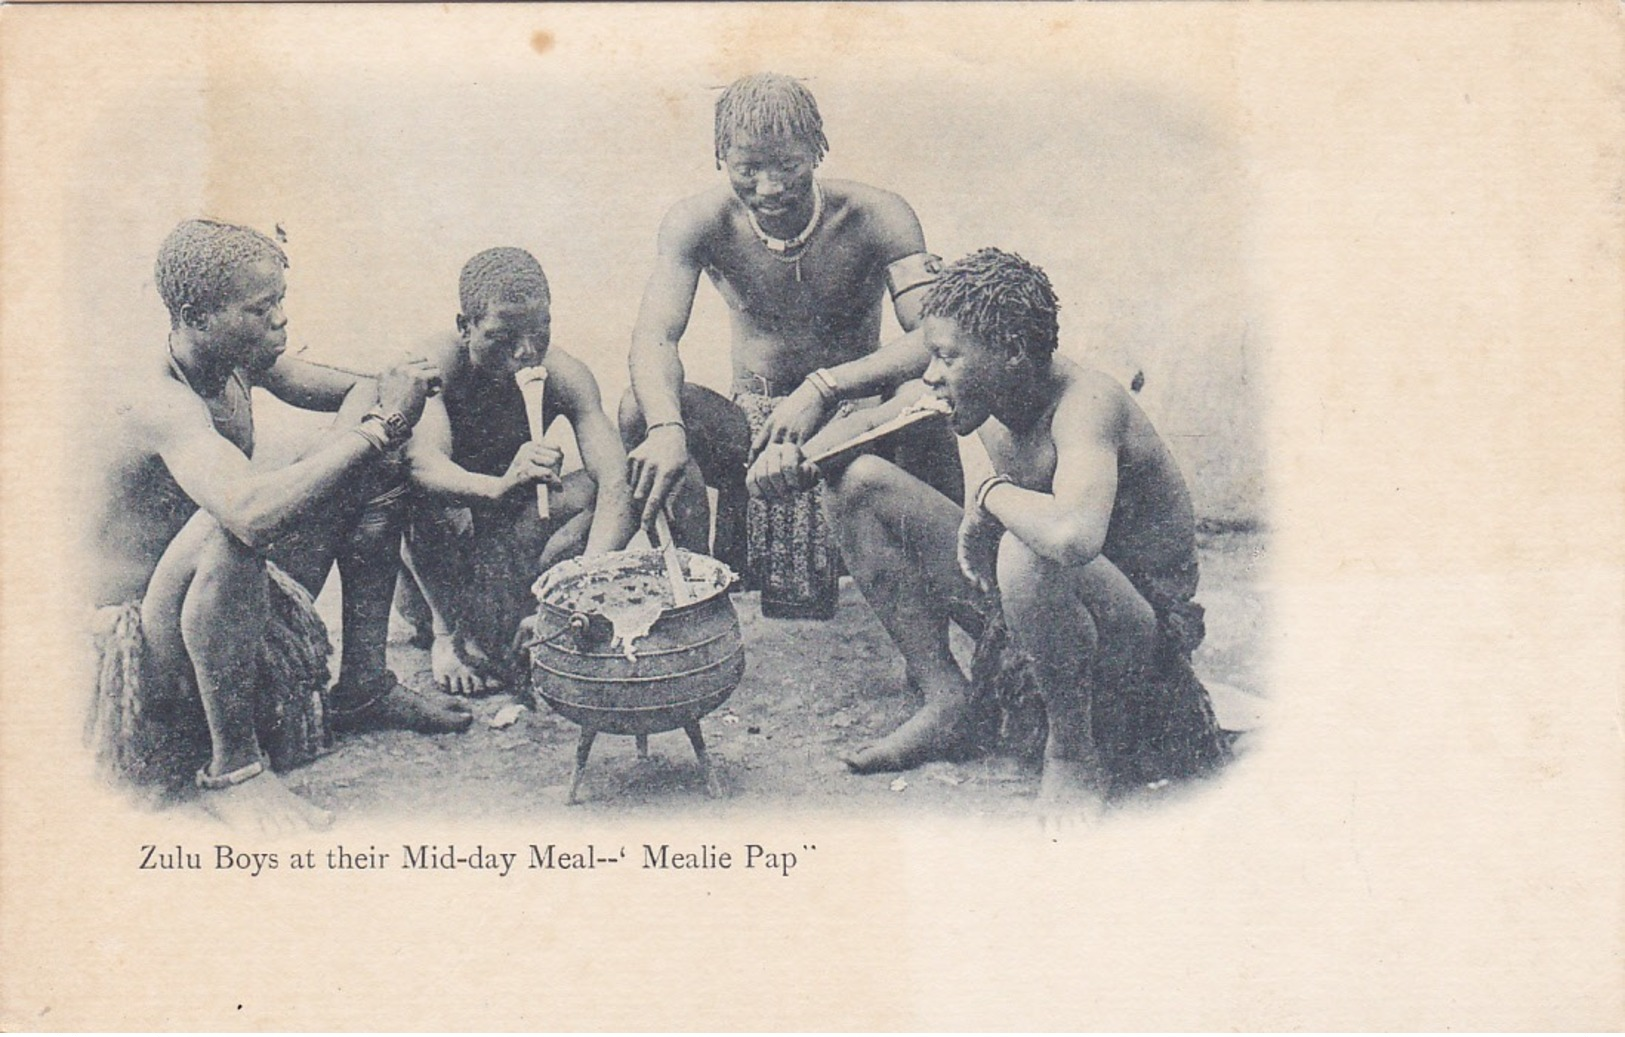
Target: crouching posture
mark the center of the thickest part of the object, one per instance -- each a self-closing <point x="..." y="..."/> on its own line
<point x="211" y="653"/>
<point x="1085" y="533"/>
<point x="477" y="540"/>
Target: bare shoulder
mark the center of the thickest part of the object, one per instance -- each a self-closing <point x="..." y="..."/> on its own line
<point x="448" y="353"/>
<point x="1091" y="404"/>
<point x="572" y="380"/>
<point x="884" y="214"/>
<point x="693" y="221"/>
<point x="154" y="410"/>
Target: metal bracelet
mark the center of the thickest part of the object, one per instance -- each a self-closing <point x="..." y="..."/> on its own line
<point x="824" y="383"/>
<point x="986" y="488"/>
<point x="375" y="437"/>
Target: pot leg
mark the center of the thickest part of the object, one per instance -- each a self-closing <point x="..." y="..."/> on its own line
<point x="643" y="747"/>
<point x="583" y="749"/>
<point x="713" y="787"/>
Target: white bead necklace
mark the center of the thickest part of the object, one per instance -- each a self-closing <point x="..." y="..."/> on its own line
<point x="780" y="248"/>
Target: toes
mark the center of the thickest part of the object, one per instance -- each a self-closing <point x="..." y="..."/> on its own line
<point x="868" y="761"/>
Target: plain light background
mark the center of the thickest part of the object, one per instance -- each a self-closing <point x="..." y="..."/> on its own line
<point x="1368" y="257"/>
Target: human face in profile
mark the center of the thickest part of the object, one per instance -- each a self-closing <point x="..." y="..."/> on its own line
<point x="964" y="371"/>
<point x="509" y="336"/>
<point x="249" y="327"/>
<point x="773" y="177"/>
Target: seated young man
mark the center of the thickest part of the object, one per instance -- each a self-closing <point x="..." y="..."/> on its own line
<point x="477" y="542"/>
<point x="207" y="565"/>
<point x="1086" y="533"/>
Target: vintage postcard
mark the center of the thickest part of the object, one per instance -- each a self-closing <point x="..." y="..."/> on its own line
<point x="790" y="516"/>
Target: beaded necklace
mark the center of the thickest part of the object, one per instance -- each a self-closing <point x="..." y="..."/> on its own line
<point x="780" y="248"/>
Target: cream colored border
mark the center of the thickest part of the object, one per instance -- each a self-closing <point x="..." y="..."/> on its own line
<point x="1431" y="837"/>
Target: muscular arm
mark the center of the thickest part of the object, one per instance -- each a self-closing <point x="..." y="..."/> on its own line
<point x="433" y="470"/>
<point x="898" y="361"/>
<point x="783" y="468"/>
<point x="1069" y="524"/>
<point x="254" y="506"/>
<point x="898" y="234"/>
<point x="894" y="234"/>
<point x="314" y="386"/>
<point x="613" y="521"/>
<point x="668" y="299"/>
<point x="839" y="430"/>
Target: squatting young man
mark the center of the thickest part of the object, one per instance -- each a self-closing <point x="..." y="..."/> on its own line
<point x="207" y="564"/>
<point x="1086" y="533"/>
<point x="804" y="265"/>
<point x="477" y="542"/>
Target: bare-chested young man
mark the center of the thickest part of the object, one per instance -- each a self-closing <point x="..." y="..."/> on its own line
<point x="197" y="545"/>
<point x="1086" y="532"/>
<point x="804" y="265"/>
<point x="477" y="542"/>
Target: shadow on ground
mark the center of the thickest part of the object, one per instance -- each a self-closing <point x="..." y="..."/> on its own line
<point x="811" y="690"/>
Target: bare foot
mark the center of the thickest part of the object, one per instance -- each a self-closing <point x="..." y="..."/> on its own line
<point x="1069" y="793"/>
<point x="401" y="709"/>
<point x="930" y="734"/>
<point x="263" y="804"/>
<point x="455" y="667"/>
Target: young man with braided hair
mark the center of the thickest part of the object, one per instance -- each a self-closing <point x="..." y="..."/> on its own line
<point x="804" y="265"/>
<point x="1085" y="533"/>
<point x="207" y="564"/>
<point x="477" y="541"/>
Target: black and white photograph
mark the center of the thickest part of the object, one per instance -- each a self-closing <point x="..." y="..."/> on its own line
<point x="810" y="516"/>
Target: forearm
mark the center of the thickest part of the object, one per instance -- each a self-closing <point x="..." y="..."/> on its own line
<point x="441" y="477"/>
<point x="900" y="360"/>
<point x="267" y="504"/>
<point x="657" y="379"/>
<point x="363" y="395"/>
<point x="613" y="519"/>
<point x="1051" y="530"/>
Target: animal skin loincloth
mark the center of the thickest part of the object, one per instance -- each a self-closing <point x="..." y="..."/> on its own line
<point x="152" y="734"/>
<point x="1158" y="728"/>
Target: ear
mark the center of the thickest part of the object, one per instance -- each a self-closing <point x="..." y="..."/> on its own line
<point x="193" y="317"/>
<point x="1014" y="357"/>
<point x="463" y="326"/>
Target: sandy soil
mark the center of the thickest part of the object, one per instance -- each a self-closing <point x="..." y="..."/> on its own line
<point x="811" y="690"/>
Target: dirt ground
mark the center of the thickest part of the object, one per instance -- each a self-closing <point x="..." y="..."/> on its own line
<point x="811" y="690"/>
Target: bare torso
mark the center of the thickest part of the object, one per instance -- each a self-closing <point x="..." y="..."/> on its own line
<point x="141" y="507"/>
<point x="486" y="411"/>
<point x="790" y="317"/>
<point x="1152" y="534"/>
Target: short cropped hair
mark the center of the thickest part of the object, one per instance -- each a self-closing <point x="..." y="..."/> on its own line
<point x="197" y="260"/>
<point x="499" y="275"/>
<point x="1001" y="300"/>
<point x="769" y="105"/>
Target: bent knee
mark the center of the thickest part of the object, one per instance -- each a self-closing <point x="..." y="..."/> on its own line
<point x="1028" y="583"/>
<point x="865" y="480"/>
<point x="227" y="570"/>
